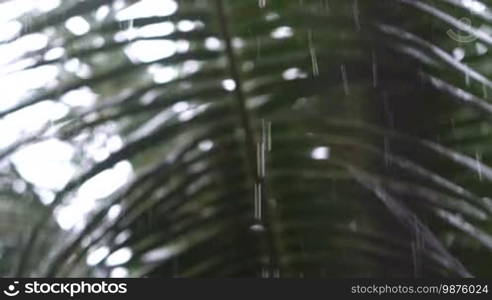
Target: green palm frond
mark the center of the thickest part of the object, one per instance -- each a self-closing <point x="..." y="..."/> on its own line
<point x="294" y="138"/>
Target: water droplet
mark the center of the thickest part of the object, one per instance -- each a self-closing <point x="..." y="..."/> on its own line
<point x="478" y="161"/>
<point x="374" y="70"/>
<point x="346" y="87"/>
<point x="356" y="13"/>
<point x="258" y="201"/>
<point x="312" y="53"/>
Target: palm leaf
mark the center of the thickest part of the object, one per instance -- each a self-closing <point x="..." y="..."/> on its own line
<point x="343" y="138"/>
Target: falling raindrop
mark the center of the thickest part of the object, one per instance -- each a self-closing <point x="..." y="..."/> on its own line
<point x="258" y="201"/>
<point x="262" y="3"/>
<point x="356" y="13"/>
<point x="374" y="70"/>
<point x="263" y="146"/>
<point x="260" y="154"/>
<point x="346" y="88"/>
<point x="416" y="246"/>
<point x="386" y="152"/>
<point x="312" y="52"/>
<point x="266" y="135"/>
<point x="478" y="161"/>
